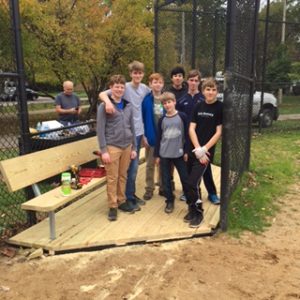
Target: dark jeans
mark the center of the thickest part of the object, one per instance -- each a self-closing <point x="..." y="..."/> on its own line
<point x="132" y="172"/>
<point x="209" y="181"/>
<point x="196" y="172"/>
<point x="166" y="172"/>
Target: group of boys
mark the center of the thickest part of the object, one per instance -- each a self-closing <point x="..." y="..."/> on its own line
<point x="169" y="125"/>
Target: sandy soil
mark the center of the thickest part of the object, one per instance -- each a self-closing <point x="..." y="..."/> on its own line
<point x="252" y="267"/>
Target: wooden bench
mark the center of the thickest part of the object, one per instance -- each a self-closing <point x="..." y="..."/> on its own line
<point x="28" y="170"/>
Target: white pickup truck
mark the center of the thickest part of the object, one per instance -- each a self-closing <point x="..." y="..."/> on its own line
<point x="270" y="111"/>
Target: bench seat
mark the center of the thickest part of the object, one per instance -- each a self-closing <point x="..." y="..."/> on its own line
<point x="54" y="199"/>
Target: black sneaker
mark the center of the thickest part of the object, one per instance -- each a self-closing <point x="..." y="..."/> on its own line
<point x="126" y="207"/>
<point x="169" y="207"/>
<point x="139" y="201"/>
<point x="134" y="205"/>
<point x="112" y="214"/>
<point x="196" y="220"/>
<point x="188" y="217"/>
<point x="148" y="195"/>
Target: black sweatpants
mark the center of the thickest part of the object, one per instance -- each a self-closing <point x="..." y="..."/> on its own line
<point x="196" y="171"/>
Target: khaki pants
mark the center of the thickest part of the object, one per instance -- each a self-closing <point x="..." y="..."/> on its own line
<point x="150" y="170"/>
<point x="116" y="175"/>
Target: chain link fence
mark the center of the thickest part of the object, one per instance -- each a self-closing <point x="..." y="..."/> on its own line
<point x="278" y="51"/>
<point x="239" y="85"/>
<point x="11" y="216"/>
<point x="191" y="34"/>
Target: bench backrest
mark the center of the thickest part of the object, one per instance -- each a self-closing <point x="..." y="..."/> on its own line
<point x="28" y="169"/>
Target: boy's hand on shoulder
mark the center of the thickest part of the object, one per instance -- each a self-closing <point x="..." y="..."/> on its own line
<point x="106" y="158"/>
<point x="133" y="154"/>
<point x="109" y="107"/>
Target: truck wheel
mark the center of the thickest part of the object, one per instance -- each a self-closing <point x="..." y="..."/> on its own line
<point x="267" y="118"/>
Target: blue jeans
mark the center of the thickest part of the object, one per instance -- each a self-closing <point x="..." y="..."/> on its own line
<point x="166" y="174"/>
<point x="132" y="172"/>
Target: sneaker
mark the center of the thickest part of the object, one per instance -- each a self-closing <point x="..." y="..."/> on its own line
<point x="188" y="217"/>
<point x="148" y="195"/>
<point x="214" y="199"/>
<point x="112" y="214"/>
<point x="126" y="207"/>
<point x="169" y="207"/>
<point x="196" y="220"/>
<point x="182" y="197"/>
<point x="138" y="200"/>
<point x="135" y="206"/>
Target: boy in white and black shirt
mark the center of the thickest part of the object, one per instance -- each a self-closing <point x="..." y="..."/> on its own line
<point x="171" y="148"/>
<point x="205" y="130"/>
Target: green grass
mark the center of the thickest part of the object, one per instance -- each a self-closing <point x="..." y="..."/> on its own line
<point x="290" y="105"/>
<point x="275" y="157"/>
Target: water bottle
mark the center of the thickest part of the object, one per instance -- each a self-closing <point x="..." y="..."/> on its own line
<point x="66" y="183"/>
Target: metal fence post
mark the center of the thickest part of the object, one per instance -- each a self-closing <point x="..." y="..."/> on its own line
<point x="23" y="111"/>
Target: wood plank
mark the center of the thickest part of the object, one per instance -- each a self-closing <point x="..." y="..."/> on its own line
<point x="215" y="219"/>
<point x="31" y="168"/>
<point x="54" y="199"/>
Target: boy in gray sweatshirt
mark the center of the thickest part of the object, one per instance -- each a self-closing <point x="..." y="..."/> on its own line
<point x="116" y="137"/>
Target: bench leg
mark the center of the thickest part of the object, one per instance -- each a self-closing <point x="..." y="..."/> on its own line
<point x="52" y="225"/>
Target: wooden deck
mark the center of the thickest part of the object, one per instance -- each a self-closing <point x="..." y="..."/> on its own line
<point x="83" y="225"/>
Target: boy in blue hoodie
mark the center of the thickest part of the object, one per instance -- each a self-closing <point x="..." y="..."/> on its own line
<point x="152" y="111"/>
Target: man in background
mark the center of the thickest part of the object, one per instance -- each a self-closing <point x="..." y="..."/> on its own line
<point x="67" y="105"/>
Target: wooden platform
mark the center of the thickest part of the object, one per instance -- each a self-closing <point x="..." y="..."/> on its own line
<point x="83" y="225"/>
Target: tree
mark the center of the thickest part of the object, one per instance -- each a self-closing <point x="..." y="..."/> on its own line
<point x="292" y="36"/>
<point x="7" y="62"/>
<point x="86" y="41"/>
<point x="278" y="70"/>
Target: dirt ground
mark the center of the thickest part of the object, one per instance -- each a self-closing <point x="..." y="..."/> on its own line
<point x="252" y="267"/>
